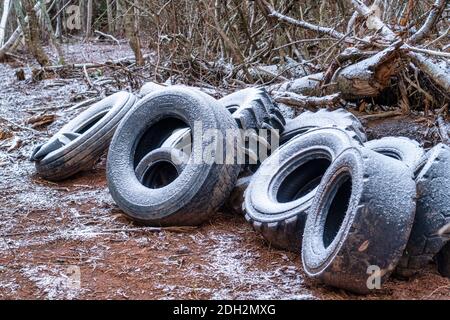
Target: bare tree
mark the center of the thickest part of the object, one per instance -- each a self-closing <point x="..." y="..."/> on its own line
<point x="31" y="30"/>
<point x="4" y="19"/>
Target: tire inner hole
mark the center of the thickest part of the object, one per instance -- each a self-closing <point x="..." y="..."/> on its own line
<point x="90" y="122"/>
<point x="337" y="210"/>
<point x="156" y="135"/>
<point x="159" y="175"/>
<point x="302" y="180"/>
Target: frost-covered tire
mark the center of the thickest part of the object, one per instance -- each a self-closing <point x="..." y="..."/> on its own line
<point x="82" y="141"/>
<point x="339" y="118"/>
<point x="401" y="148"/>
<point x="236" y="200"/>
<point x="161" y="166"/>
<point x="443" y="260"/>
<point x="432" y="213"/>
<point x="150" y="87"/>
<point x="360" y="220"/>
<point x="281" y="191"/>
<point x="253" y="108"/>
<point x="199" y="191"/>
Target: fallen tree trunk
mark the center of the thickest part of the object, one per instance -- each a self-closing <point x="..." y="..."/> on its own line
<point x="438" y="73"/>
<point x="363" y="79"/>
<point x="368" y="77"/>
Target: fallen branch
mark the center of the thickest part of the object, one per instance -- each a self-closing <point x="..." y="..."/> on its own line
<point x="434" y="71"/>
<point x="426" y="51"/>
<point x="303" y="24"/>
<point x="373" y="21"/>
<point x="298" y="100"/>
<point x="443" y="130"/>
<point x="14" y="124"/>
<point x="107" y="36"/>
<point x="383" y="115"/>
<point x="435" y="13"/>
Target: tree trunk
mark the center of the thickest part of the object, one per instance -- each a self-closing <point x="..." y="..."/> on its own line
<point x="89" y="14"/>
<point x="5" y="14"/>
<point x="53" y="39"/>
<point x="32" y="33"/>
<point x="132" y="32"/>
<point x="59" y="31"/>
<point x="109" y="12"/>
<point x="119" y="15"/>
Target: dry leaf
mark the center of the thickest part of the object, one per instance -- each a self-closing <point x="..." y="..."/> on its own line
<point x="42" y="120"/>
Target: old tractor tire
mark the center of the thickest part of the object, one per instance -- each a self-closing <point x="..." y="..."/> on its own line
<point x="280" y="193"/>
<point x="323" y="118"/>
<point x="404" y="149"/>
<point x="360" y="219"/>
<point x="204" y="184"/>
<point x="253" y="108"/>
<point x="81" y="142"/>
<point x="432" y="213"/>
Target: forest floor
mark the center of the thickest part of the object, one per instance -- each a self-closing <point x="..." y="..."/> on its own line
<point x="52" y="235"/>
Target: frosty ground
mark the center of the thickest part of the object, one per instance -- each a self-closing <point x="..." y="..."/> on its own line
<point x="48" y="230"/>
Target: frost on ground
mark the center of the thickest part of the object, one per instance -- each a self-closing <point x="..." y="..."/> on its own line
<point x="52" y="232"/>
<point x="55" y="282"/>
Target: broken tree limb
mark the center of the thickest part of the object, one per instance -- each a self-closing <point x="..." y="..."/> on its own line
<point x="308" y="85"/>
<point x="428" y="52"/>
<point x="298" y="100"/>
<point x="433" y="17"/>
<point x="373" y="21"/>
<point x="443" y="130"/>
<point x="438" y="73"/>
<point x="105" y="35"/>
<point x="368" y="77"/>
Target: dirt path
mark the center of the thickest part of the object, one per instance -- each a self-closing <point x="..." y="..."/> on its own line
<point x="69" y="240"/>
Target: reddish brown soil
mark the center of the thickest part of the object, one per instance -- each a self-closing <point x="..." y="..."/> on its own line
<point x="52" y="233"/>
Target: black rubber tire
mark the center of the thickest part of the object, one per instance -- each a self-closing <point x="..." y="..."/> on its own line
<point x="150" y="87"/>
<point x="176" y="158"/>
<point x="92" y="131"/>
<point x="369" y="226"/>
<point x="404" y="149"/>
<point x="253" y="108"/>
<point x="339" y="118"/>
<point x="201" y="188"/>
<point x="274" y="203"/>
<point x="432" y="213"/>
<point x="443" y="260"/>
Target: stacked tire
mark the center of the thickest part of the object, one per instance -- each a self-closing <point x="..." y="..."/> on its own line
<point x="356" y="210"/>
